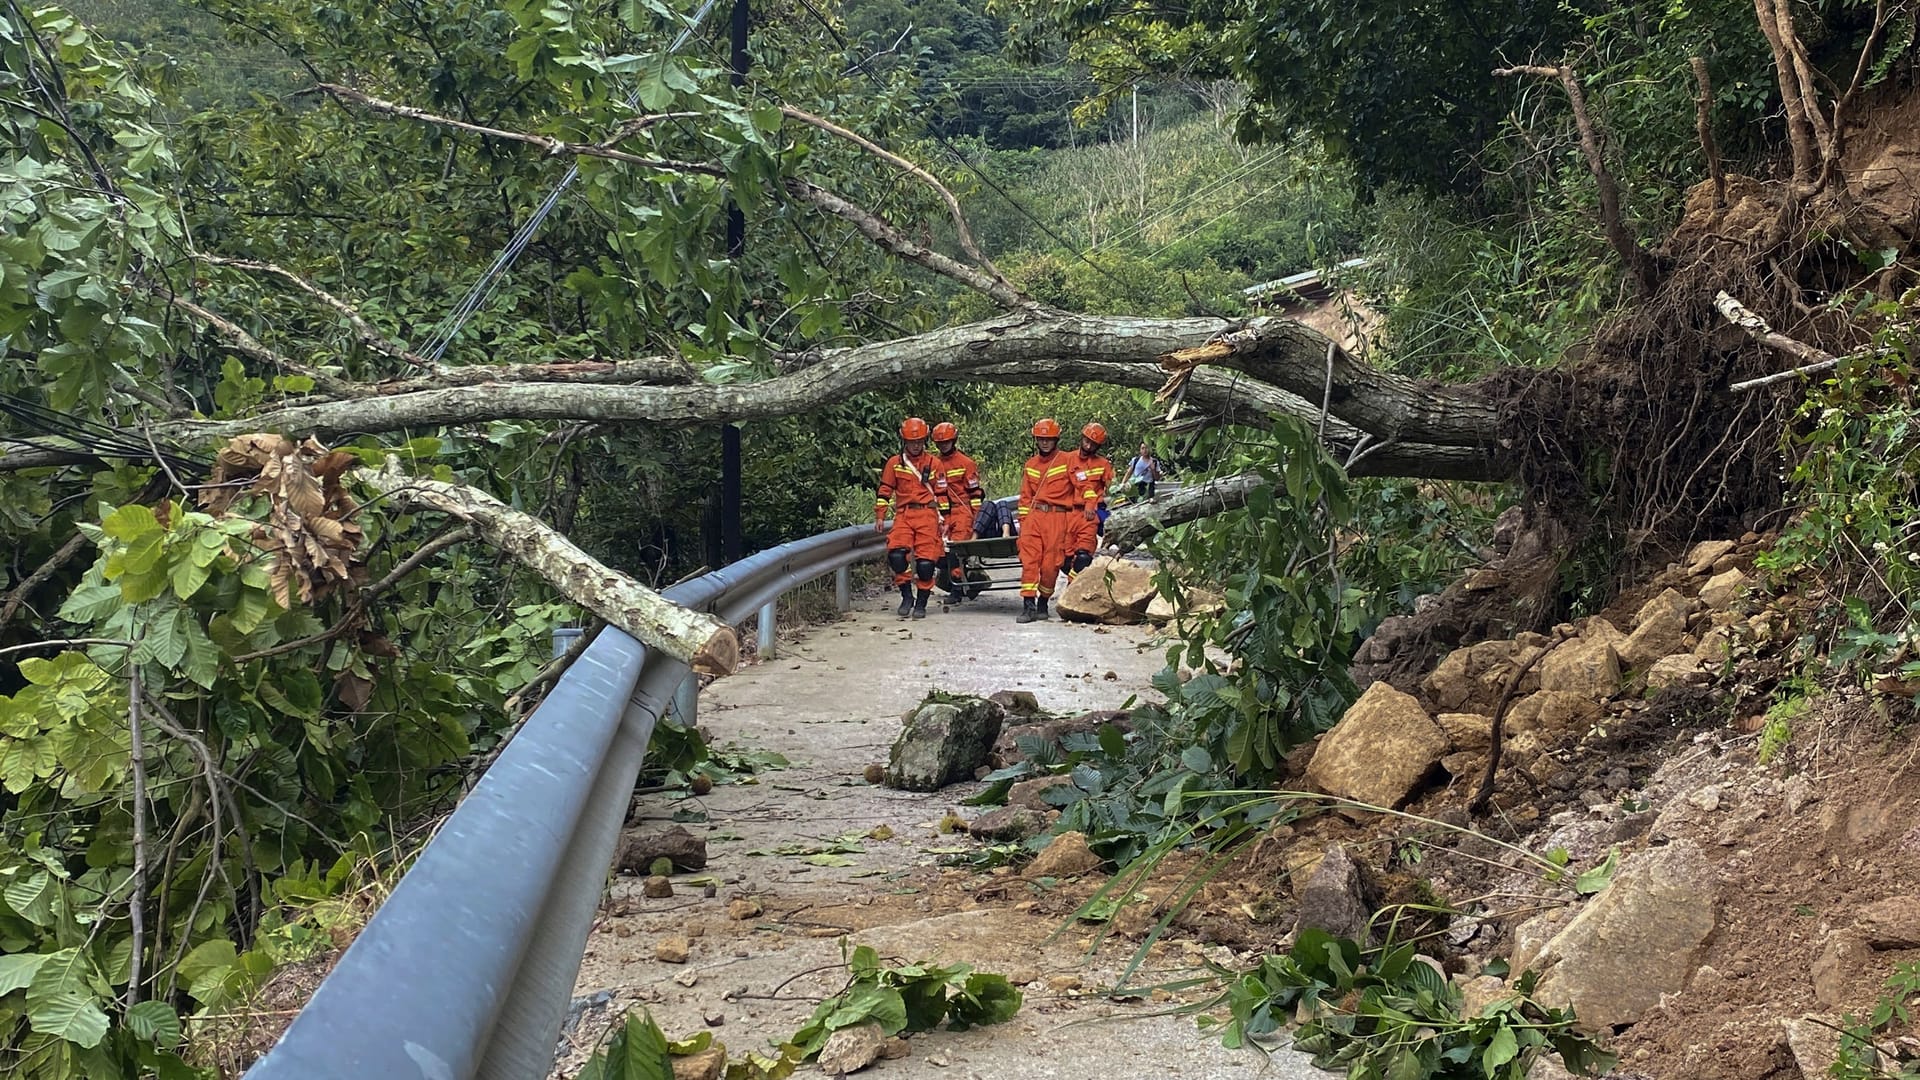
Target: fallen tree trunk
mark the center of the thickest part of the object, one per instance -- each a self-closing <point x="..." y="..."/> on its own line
<point x="1131" y="526"/>
<point x="700" y="641"/>
<point x="1285" y="355"/>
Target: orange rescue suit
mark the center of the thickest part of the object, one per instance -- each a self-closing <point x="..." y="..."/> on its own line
<point x="960" y="493"/>
<point x="1051" y="502"/>
<point x="1091" y="475"/>
<point x="907" y="485"/>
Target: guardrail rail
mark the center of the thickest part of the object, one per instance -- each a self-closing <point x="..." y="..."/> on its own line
<point x="468" y="968"/>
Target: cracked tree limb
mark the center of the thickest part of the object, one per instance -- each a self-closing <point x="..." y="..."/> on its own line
<point x="700" y="641"/>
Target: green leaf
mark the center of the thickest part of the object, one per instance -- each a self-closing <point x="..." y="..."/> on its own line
<point x="1196" y="759"/>
<point x="863" y="1003"/>
<point x="91" y="603"/>
<point x="70" y="1015"/>
<point x="985" y="999"/>
<point x="156" y="1022"/>
<point x="17" y="970"/>
<point x="1501" y="1049"/>
<point x="1597" y="878"/>
<point x="646" y="1056"/>
<point x="206" y="968"/>
<point x="31" y="897"/>
<point x="130" y="523"/>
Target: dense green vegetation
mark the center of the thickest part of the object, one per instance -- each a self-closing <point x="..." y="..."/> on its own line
<point x="313" y="672"/>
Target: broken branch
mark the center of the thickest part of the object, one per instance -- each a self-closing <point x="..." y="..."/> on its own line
<point x="700" y="641"/>
<point x="1812" y="359"/>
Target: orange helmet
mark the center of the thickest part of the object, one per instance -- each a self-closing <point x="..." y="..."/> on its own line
<point x="1095" y="432"/>
<point x="1047" y="429"/>
<point x="943" y="432"/>
<point x="913" y="428"/>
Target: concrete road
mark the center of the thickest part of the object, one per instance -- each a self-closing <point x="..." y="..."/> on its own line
<point x="831" y="702"/>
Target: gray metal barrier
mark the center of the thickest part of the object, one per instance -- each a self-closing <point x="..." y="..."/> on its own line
<point x="467" y="969"/>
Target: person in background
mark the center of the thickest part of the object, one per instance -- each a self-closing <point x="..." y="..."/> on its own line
<point x="1144" y="472"/>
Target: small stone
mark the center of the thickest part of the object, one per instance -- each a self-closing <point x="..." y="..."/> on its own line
<point x="894" y="1049"/>
<point x="701" y="784"/>
<point x="1799" y="793"/>
<point x="1161" y="994"/>
<point x="1893" y="923"/>
<point x="938" y="1061"/>
<point x="708" y="1064"/>
<point x="743" y="909"/>
<point x="714" y="1019"/>
<point x="1067" y="856"/>
<point x="1469" y="731"/>
<point x="1007" y="823"/>
<point x="688" y="978"/>
<point x="1335" y="899"/>
<point x="1837" y="971"/>
<point x="1031" y="793"/>
<point x="1477" y="994"/>
<point x="1060" y="984"/>
<point x="657" y="887"/>
<point x="851" y="1049"/>
<point x="672" y="950"/>
<point x="1021" y="976"/>
<point x="875" y="774"/>
<point x="1705" y="553"/>
<point x="709" y="890"/>
<point x="1707" y="798"/>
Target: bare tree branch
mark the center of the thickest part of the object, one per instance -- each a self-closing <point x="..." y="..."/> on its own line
<point x="248" y="344"/>
<point x="872" y="225"/>
<point x="362" y="329"/>
<point x="1703" y="126"/>
<point x="1812" y="359"/>
<point x="963" y="233"/>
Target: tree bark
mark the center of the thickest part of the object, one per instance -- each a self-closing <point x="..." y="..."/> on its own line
<point x="1131" y="526"/>
<point x="700" y="641"/>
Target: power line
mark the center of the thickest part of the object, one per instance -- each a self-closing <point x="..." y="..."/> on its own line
<point x="483" y="289"/>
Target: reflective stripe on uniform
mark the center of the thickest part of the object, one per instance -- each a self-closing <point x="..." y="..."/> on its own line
<point x="1033" y="472"/>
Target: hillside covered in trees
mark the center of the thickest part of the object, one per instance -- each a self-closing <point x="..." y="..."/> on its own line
<point x="1619" y="278"/>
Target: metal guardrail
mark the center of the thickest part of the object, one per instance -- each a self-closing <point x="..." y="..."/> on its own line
<point x="467" y="969"/>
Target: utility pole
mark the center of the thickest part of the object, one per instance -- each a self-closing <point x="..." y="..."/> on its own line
<point x="732" y="545"/>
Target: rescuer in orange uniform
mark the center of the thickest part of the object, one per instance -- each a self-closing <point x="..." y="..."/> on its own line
<point x="1092" y="472"/>
<point x="1051" y="505"/>
<point x="915" y="546"/>
<point x="958" y="485"/>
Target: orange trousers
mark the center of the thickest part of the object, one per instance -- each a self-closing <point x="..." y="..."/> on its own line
<point x="918" y="530"/>
<point x="1044" y="535"/>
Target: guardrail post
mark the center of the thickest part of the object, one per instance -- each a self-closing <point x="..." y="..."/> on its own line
<point x="843" y="588"/>
<point x="686" y="701"/>
<point x="769" y="629"/>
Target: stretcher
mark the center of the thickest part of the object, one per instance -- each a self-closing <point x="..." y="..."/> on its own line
<point x="971" y="565"/>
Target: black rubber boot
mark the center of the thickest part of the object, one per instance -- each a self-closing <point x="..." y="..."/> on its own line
<point x="920" y="604"/>
<point x="906" y="601"/>
<point x="1041" y="612"/>
<point x="1026" y="610"/>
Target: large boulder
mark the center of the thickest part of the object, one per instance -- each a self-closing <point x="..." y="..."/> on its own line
<point x="1380" y="750"/>
<point x="1660" y="629"/>
<point x="1721" y="590"/>
<point x="1111" y="590"/>
<point x="1705" y="553"/>
<point x="1588" y="665"/>
<point x="1551" y="710"/>
<point x="944" y="741"/>
<point x="1893" y="923"/>
<point x="1065" y="856"/>
<point x="1641" y="937"/>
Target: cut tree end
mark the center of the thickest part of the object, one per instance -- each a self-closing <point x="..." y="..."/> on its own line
<point x="718" y="656"/>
